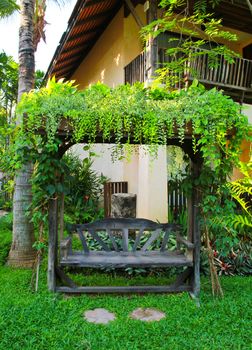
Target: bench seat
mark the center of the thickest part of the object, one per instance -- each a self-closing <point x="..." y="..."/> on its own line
<point x="101" y="259"/>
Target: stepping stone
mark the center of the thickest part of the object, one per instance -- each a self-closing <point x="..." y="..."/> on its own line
<point x="147" y="315"/>
<point x="99" y="316"/>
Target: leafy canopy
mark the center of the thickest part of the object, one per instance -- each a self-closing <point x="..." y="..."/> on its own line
<point x="130" y="115"/>
<point x="134" y="114"/>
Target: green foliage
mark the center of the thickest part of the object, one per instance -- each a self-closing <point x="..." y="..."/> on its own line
<point x="39" y="77"/>
<point x="241" y="190"/>
<point x="8" y="80"/>
<point x="5" y="237"/>
<point x="7" y="7"/>
<point x="132" y="114"/>
<point x="238" y="261"/>
<point x="83" y="188"/>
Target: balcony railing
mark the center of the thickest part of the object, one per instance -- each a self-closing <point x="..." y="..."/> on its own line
<point x="231" y="77"/>
<point x="236" y="75"/>
<point x="135" y="70"/>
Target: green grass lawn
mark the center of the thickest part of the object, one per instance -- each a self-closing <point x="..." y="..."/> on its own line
<point x="30" y="321"/>
<point x="52" y="321"/>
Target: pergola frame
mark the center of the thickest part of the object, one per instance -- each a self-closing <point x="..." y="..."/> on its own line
<point x="193" y="233"/>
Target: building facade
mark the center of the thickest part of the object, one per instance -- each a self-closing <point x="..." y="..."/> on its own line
<point x="103" y="43"/>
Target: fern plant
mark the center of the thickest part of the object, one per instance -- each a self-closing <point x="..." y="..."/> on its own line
<point x="241" y="191"/>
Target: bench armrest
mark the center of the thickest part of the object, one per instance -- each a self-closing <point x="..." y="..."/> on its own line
<point x="66" y="247"/>
<point x="185" y="242"/>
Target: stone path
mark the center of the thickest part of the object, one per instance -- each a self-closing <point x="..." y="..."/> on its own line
<point x="103" y="316"/>
<point x="100" y="316"/>
<point x="147" y="315"/>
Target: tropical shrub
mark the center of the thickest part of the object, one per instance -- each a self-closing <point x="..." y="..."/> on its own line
<point x="5" y="237"/>
<point x="83" y="189"/>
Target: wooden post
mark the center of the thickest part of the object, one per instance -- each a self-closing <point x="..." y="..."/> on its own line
<point x="190" y="210"/>
<point x="52" y="243"/>
<point x="61" y="216"/>
<point x="152" y="46"/>
<point x="196" y="236"/>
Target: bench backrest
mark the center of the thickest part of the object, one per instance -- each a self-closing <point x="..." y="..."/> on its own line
<point x="124" y="234"/>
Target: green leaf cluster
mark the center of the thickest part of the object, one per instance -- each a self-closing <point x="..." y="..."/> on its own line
<point x="130" y="115"/>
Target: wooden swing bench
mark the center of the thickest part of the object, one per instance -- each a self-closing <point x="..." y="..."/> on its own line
<point x="123" y="243"/>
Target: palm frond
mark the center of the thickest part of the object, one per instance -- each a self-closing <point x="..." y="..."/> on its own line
<point x="8" y="7"/>
<point x="242" y="221"/>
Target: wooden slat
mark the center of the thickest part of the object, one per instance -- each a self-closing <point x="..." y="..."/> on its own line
<point x="126" y="289"/>
<point x="120" y="223"/>
<point x="64" y="278"/>
<point x="109" y="189"/>
<point x="101" y="259"/>
<point x="165" y="241"/>
<point x="135" y="71"/>
<point x="137" y="240"/>
<point x="125" y="239"/>
<point x="184" y="241"/>
<point x="99" y="240"/>
<point x="153" y="237"/>
<point x="112" y="238"/>
<point x="181" y="278"/>
<point x="83" y="241"/>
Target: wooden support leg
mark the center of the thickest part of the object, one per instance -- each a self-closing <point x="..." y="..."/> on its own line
<point x="64" y="278"/>
<point x="196" y="241"/>
<point x="52" y="244"/>
<point x="196" y="268"/>
<point x="185" y="275"/>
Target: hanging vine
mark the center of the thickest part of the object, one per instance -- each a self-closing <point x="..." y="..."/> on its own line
<point x="130" y="115"/>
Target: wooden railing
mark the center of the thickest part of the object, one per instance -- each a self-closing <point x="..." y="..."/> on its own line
<point x="236" y="75"/>
<point x="135" y="70"/>
<point x="177" y="201"/>
<point x="109" y="189"/>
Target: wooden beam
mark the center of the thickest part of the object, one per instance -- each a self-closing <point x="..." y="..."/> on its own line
<point x="127" y="289"/>
<point x="52" y="244"/>
<point x="80" y="35"/>
<point x="134" y="13"/>
<point x="94" y="17"/>
<point x="152" y="46"/>
<point x="77" y="47"/>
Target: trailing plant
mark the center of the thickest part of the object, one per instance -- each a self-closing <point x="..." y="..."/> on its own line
<point x="131" y="114"/>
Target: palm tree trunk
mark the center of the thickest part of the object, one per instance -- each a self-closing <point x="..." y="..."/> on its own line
<point x="22" y="254"/>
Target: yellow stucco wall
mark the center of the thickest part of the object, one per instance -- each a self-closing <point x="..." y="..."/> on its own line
<point x="133" y="45"/>
<point x="104" y="62"/>
<point x="119" y="44"/>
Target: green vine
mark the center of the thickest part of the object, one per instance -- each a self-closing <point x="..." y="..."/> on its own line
<point x="133" y="114"/>
<point x="129" y="115"/>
